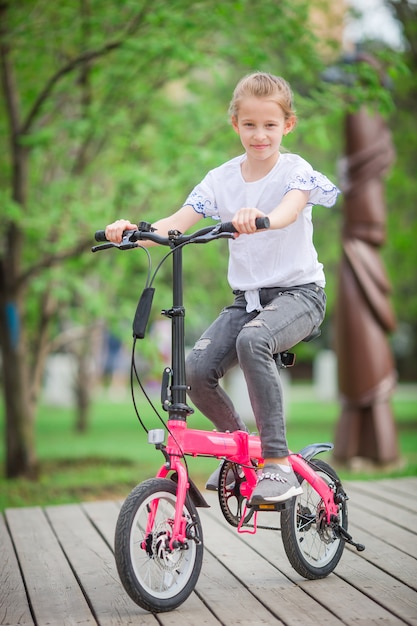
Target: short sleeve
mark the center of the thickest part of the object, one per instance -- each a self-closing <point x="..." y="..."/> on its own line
<point x="202" y="199"/>
<point x="322" y="190"/>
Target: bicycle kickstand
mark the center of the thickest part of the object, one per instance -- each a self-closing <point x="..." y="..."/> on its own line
<point x="343" y="534"/>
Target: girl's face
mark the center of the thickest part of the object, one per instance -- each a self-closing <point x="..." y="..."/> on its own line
<point x="261" y="124"/>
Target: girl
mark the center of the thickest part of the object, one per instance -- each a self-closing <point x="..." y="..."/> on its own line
<point x="276" y="278"/>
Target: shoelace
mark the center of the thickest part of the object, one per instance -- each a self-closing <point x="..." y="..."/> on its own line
<point x="272" y="476"/>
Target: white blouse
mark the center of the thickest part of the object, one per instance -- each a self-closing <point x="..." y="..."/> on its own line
<point x="284" y="257"/>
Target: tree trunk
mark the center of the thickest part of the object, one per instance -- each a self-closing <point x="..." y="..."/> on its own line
<point x="83" y="387"/>
<point x="86" y="346"/>
<point x="19" y="409"/>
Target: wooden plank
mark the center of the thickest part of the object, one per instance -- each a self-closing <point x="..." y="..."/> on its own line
<point x="383" y="507"/>
<point x="229" y="600"/>
<point x="68" y="574"/>
<point x="387" y="492"/>
<point x="381" y="541"/>
<point x="406" y="485"/>
<point x="53" y="591"/>
<point x="215" y="581"/>
<point x="347" y="603"/>
<point x="286" y="601"/>
<point x="94" y="564"/>
<point x="191" y="613"/>
<point x="387" y="591"/>
<point x="14" y="606"/>
<point x="397" y="537"/>
<point x="104" y="517"/>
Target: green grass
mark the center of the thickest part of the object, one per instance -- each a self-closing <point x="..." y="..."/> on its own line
<point x="113" y="455"/>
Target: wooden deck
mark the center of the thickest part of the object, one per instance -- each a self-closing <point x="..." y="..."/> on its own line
<point x="57" y="568"/>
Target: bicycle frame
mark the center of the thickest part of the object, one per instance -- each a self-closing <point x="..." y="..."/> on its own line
<point x="238" y="447"/>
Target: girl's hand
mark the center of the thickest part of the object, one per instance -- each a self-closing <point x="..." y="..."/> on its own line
<point x="244" y="220"/>
<point x="115" y="230"/>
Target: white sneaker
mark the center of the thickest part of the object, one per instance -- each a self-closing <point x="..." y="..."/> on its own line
<point x="275" y="485"/>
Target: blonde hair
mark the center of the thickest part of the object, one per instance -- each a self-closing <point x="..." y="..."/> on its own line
<point x="263" y="85"/>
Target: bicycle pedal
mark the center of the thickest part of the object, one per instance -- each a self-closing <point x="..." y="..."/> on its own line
<point x="273" y="506"/>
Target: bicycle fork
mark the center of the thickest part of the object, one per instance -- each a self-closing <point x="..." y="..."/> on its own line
<point x="181" y="527"/>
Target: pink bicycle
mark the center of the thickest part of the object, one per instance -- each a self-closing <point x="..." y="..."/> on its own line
<point x="158" y="537"/>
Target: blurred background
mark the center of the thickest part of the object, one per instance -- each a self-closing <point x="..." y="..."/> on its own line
<point x="117" y="109"/>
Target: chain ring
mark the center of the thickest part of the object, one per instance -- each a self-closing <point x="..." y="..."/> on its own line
<point x="232" y="503"/>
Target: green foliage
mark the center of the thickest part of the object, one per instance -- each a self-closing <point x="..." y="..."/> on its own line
<point x="123" y="108"/>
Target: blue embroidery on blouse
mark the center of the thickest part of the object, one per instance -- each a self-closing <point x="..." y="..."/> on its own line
<point x="202" y="205"/>
<point x="323" y="191"/>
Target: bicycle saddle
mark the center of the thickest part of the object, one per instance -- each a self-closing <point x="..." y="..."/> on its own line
<point x="287" y="359"/>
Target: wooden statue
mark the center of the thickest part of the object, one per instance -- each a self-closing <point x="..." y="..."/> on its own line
<point x="364" y="317"/>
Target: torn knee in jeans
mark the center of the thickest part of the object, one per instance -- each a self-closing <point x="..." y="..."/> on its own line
<point x="202" y="344"/>
<point x="256" y="323"/>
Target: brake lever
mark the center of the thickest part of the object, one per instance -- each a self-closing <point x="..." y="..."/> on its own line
<point x="104" y="246"/>
<point x="125" y="244"/>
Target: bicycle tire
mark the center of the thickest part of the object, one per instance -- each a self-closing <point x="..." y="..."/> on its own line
<point x="156" y="578"/>
<point x="311" y="545"/>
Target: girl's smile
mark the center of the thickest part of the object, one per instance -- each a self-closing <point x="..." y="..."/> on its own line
<point x="261" y="124"/>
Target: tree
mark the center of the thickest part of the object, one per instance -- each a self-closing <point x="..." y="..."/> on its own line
<point x="90" y="90"/>
<point x="401" y="251"/>
<point x="119" y="108"/>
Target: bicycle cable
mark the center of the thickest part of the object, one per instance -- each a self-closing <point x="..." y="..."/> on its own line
<point x="133" y="370"/>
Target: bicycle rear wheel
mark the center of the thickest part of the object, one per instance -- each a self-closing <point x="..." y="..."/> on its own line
<point x="312" y="546"/>
<point x="156" y="577"/>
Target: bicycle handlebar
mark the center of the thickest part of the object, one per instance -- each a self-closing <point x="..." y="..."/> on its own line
<point x="174" y="238"/>
<point x="227" y="227"/>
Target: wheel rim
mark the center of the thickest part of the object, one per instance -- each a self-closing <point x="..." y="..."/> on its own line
<point x="316" y="540"/>
<point x="163" y="573"/>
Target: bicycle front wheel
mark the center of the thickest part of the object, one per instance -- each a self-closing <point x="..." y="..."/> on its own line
<point x="156" y="576"/>
<point x="311" y="544"/>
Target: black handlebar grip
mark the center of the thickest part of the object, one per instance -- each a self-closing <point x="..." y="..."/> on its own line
<point x="260" y="222"/>
<point x="100" y="235"/>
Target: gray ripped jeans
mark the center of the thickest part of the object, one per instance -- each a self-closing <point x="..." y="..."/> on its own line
<point x="251" y="339"/>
